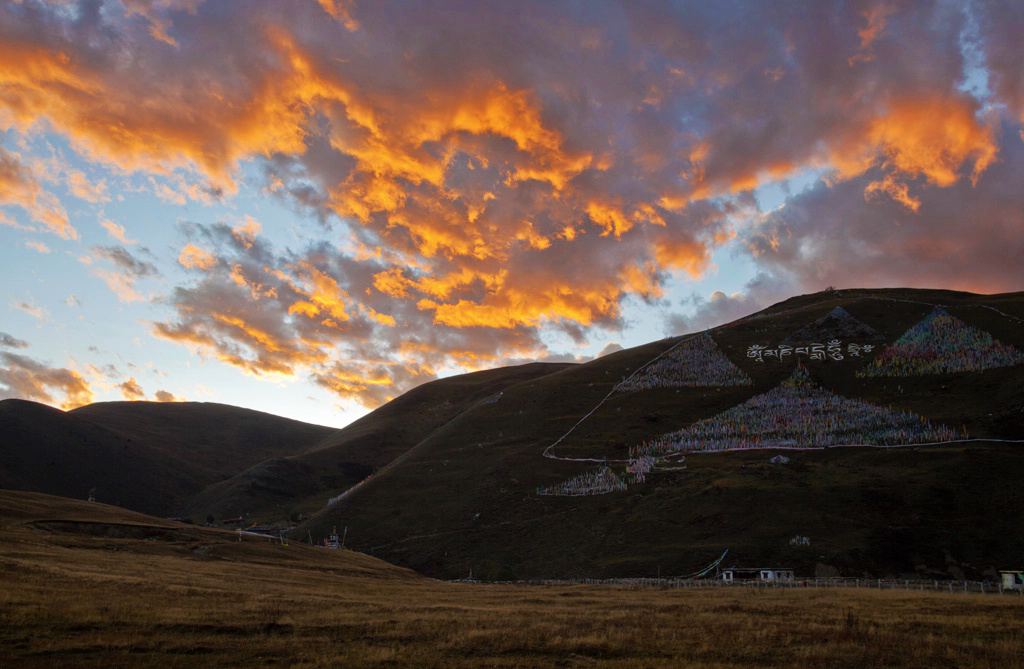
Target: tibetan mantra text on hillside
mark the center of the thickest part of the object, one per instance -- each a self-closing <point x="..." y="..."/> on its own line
<point x="832" y="350"/>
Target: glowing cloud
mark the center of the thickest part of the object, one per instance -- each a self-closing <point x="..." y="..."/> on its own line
<point x="131" y="390"/>
<point x="164" y="396"/>
<point x="117" y="232"/>
<point x="18" y="187"/>
<point x="464" y="191"/>
<point x="194" y="257"/>
<point x="929" y="137"/>
<point x="28" y="378"/>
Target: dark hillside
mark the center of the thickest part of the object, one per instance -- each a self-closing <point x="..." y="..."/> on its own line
<point x="284" y="487"/>
<point x="218" y="438"/>
<point x="47" y="450"/>
<point x="146" y="456"/>
<point x="42" y="530"/>
<point x="466" y="497"/>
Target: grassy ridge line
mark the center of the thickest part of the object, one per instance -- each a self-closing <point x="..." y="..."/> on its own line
<point x="88" y="600"/>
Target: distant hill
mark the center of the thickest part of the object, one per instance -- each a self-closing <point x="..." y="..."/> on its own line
<point x="284" y="487"/>
<point x="146" y="456"/>
<point x="219" y="438"/>
<point x="465" y="498"/>
<point x="198" y="459"/>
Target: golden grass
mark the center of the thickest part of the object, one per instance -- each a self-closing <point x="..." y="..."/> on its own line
<point x="200" y="597"/>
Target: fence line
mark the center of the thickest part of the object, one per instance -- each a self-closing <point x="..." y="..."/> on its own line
<point x="950" y="587"/>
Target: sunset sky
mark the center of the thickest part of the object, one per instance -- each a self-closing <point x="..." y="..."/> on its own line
<point x="310" y="207"/>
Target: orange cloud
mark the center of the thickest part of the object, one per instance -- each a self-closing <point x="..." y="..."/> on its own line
<point x="18" y="187"/>
<point x="931" y="137"/>
<point x="151" y="11"/>
<point x="610" y="218"/>
<point x="690" y="256"/>
<point x="121" y="285"/>
<point x="229" y="337"/>
<point x="80" y="187"/>
<point x="28" y="378"/>
<point x="897" y="190"/>
<point x="643" y="281"/>
<point x="342" y="11"/>
<point x="383" y="319"/>
<point x="127" y="270"/>
<point x="131" y="390"/>
<point x="247" y="232"/>
<point x="371" y="383"/>
<point x="194" y="257"/>
<point x="934" y="137"/>
<point x="512" y="306"/>
<point x="392" y="282"/>
<point x="149" y="126"/>
<point x="117" y="232"/>
<point x="875" y="18"/>
<point x="323" y="293"/>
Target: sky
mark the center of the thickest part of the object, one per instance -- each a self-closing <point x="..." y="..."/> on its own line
<point x="310" y="207"/>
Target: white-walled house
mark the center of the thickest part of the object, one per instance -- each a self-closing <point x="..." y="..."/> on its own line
<point x="757" y="574"/>
<point x="1012" y="580"/>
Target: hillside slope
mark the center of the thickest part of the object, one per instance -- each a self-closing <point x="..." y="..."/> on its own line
<point x="284" y="487"/>
<point x="144" y="456"/>
<point x="43" y="530"/>
<point x="218" y="438"/>
<point x="466" y="497"/>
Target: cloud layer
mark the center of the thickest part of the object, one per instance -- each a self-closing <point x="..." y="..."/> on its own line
<point x="485" y="173"/>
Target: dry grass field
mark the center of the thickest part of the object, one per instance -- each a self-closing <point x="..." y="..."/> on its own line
<point x="94" y="586"/>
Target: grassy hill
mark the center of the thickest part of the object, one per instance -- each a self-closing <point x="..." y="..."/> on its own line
<point x="465" y="498"/>
<point x="284" y="487"/>
<point x="48" y="450"/>
<point x="38" y="522"/>
<point x="217" y="438"/>
<point x="90" y="585"/>
<point x="145" y="456"/>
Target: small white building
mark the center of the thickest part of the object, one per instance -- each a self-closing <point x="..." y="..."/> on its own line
<point x="1012" y="580"/>
<point x="734" y="574"/>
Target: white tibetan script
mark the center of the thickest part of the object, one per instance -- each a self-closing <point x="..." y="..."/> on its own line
<point x="833" y="350"/>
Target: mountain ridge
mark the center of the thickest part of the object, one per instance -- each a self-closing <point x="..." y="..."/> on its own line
<point x="445" y="478"/>
<point x="496" y="525"/>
